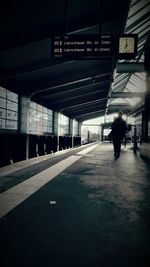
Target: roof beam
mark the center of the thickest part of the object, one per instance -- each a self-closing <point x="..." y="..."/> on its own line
<point x="130" y="67"/>
<point x="71" y="84"/>
<point x="79" y="103"/>
<point x="67" y="92"/>
<point x="90" y="115"/>
<point x="86" y="104"/>
<point x="87" y="110"/>
<point x="116" y="108"/>
<point x="127" y="94"/>
<point x="83" y="98"/>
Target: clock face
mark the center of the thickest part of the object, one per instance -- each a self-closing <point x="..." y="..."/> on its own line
<point x="126" y="45"/>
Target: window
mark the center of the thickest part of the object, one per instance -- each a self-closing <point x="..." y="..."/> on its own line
<point x="63" y="124"/>
<point x="8" y="109"/>
<point x="39" y="119"/>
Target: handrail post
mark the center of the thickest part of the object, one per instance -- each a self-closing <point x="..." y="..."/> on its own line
<point x="135" y="140"/>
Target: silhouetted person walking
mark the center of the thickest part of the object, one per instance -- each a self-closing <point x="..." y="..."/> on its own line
<point x="119" y="128"/>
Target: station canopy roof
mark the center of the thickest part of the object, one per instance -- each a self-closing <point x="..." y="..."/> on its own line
<point x="79" y="88"/>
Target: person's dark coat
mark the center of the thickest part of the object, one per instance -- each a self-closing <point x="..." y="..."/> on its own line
<point x="119" y="128"/>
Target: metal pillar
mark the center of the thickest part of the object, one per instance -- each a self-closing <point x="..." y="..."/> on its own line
<point x="102" y="130"/>
<point x="27" y="146"/>
<point x="146" y="114"/>
<point x="135" y="140"/>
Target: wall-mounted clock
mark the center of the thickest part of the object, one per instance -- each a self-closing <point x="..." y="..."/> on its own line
<point x="126" y="45"/>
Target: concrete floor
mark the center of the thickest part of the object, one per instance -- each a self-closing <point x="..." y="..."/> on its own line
<point x="96" y="212"/>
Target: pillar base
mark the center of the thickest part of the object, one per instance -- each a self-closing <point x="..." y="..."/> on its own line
<point x="145" y="150"/>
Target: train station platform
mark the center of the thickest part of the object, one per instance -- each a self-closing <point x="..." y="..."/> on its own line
<point x="81" y="208"/>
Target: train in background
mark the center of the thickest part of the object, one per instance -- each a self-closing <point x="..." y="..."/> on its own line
<point x="90" y="137"/>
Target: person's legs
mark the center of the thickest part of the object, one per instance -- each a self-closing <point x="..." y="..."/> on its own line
<point x="117" y="146"/>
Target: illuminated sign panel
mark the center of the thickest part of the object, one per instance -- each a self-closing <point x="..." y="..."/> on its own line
<point x="94" y="46"/>
<point x="82" y="46"/>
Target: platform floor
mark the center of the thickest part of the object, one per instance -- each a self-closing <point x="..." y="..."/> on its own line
<point x="82" y="209"/>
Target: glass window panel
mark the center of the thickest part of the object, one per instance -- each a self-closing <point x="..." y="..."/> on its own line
<point x="12" y="96"/>
<point x="45" y="129"/>
<point x="49" y="129"/>
<point x="75" y="127"/>
<point x="2" y="102"/>
<point x="2" y="123"/>
<point x="2" y="92"/>
<point x="11" y="125"/>
<point x="32" y="105"/>
<point x="12" y="105"/>
<point x="2" y="113"/>
<point x="50" y="112"/>
<point x="40" y="116"/>
<point x="39" y="108"/>
<point x="45" y="110"/>
<point x="11" y="115"/>
<point x="8" y="109"/>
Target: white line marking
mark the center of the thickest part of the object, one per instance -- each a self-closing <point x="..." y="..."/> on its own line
<point x="85" y="151"/>
<point x="17" y="194"/>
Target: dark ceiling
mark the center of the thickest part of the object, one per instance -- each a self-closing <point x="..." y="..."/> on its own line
<point x="77" y="88"/>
